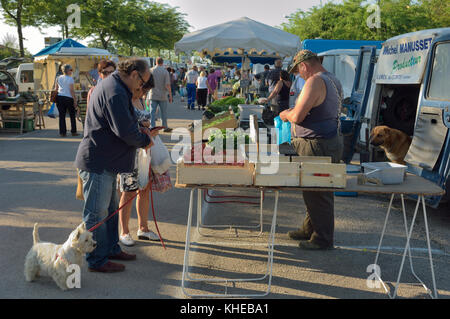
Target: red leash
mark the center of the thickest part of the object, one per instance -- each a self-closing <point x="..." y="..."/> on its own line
<point x="128" y="202"/>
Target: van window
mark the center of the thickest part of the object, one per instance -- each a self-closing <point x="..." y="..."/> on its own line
<point x="364" y="72"/>
<point x="438" y="88"/>
<point x="328" y="63"/>
<point x="26" y="76"/>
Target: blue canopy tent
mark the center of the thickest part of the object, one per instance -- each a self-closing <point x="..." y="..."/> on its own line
<point x="67" y="43"/>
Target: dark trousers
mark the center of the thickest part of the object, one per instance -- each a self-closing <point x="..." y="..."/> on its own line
<point x="65" y="104"/>
<point x="319" y="220"/>
<point x="201" y="97"/>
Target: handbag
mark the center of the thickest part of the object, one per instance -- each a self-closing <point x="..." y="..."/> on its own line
<point x="53" y="96"/>
<point x="161" y="182"/>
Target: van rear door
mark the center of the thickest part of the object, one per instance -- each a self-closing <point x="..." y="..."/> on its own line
<point x="356" y="108"/>
<point x="429" y="154"/>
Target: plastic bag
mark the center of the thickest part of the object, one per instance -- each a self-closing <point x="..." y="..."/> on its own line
<point x="283" y="131"/>
<point x="143" y="164"/>
<point x="160" y="158"/>
<point x="183" y="91"/>
<point x="53" y="112"/>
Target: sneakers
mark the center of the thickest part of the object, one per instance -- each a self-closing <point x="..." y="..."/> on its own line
<point x="127" y="240"/>
<point x="147" y="235"/>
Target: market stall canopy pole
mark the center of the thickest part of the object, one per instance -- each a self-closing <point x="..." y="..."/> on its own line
<point x="237" y="35"/>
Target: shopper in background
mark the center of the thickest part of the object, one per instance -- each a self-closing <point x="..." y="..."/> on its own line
<point x="160" y="94"/>
<point x="202" y="90"/>
<point x="66" y="100"/>
<point x="191" y="87"/>
<point x="281" y="92"/>
<point x="213" y="81"/>
<point x="105" y="68"/>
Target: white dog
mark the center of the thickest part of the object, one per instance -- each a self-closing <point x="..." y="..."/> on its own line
<point x="52" y="259"/>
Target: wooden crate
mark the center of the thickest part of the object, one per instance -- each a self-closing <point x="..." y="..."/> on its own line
<point x="231" y="123"/>
<point x="215" y="174"/>
<point x="288" y="174"/>
<point x="323" y="175"/>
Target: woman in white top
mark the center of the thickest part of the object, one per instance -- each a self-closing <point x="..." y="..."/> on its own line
<point x="66" y="100"/>
<point x="202" y="90"/>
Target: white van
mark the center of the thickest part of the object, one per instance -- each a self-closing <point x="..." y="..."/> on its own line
<point x="24" y="77"/>
<point x="342" y="63"/>
<point x="410" y="91"/>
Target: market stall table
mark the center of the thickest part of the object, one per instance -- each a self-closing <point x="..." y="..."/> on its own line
<point x="15" y="111"/>
<point x="412" y="185"/>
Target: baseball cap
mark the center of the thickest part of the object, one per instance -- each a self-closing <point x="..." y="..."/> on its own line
<point x="300" y="57"/>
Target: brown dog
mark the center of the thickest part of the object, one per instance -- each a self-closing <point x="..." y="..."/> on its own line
<point x="395" y="143"/>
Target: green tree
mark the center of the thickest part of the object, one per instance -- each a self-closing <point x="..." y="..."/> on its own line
<point x="16" y="13"/>
<point x="348" y="20"/>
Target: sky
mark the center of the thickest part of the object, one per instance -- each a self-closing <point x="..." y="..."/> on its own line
<point x="200" y="14"/>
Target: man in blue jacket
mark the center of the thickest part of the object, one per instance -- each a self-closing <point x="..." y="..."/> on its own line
<point x="111" y="137"/>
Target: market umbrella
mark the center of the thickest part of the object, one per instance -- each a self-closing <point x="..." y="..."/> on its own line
<point x="244" y="36"/>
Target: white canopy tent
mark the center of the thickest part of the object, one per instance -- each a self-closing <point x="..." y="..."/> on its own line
<point x="243" y="36"/>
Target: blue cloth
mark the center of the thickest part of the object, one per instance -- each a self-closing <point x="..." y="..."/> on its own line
<point x="162" y="109"/>
<point x="111" y="133"/>
<point x="100" y="201"/>
<point x="191" y="95"/>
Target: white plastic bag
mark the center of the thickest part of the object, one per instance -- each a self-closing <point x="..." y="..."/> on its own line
<point x="144" y="159"/>
<point x="160" y="158"/>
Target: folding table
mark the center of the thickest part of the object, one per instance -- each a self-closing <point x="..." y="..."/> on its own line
<point x="412" y="185"/>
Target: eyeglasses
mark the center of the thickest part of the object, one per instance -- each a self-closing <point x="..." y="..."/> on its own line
<point x="140" y="77"/>
<point x="105" y="73"/>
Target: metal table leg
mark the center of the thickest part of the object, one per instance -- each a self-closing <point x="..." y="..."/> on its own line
<point x="268" y="273"/>
<point x="408" y="248"/>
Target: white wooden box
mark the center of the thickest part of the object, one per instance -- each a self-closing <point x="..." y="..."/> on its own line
<point x="284" y="174"/>
<point x="215" y="174"/>
<point x="323" y="175"/>
<point x="311" y="159"/>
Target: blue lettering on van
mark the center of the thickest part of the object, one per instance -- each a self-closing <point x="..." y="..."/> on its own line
<point x="412" y="46"/>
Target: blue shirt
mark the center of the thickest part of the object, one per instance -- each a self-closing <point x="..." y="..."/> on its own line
<point x="111" y="134"/>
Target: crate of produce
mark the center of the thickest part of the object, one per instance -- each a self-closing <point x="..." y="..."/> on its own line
<point x="277" y="174"/>
<point x="221" y="122"/>
<point x="323" y="175"/>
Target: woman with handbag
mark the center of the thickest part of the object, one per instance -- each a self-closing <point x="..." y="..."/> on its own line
<point x="129" y="182"/>
<point x="66" y="100"/>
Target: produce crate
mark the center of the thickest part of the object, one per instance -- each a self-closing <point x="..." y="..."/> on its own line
<point x="323" y="175"/>
<point x="28" y="125"/>
<point x="229" y="123"/>
<point x="287" y="174"/>
<point x="212" y="174"/>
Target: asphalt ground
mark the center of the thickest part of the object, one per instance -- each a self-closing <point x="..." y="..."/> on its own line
<point x="38" y="183"/>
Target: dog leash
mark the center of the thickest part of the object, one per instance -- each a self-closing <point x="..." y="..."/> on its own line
<point x="128" y="202"/>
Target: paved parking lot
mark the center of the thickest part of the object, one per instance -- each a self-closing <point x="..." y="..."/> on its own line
<point x="39" y="182"/>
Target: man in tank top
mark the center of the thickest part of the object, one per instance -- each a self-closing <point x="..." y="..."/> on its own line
<point x="315" y="128"/>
